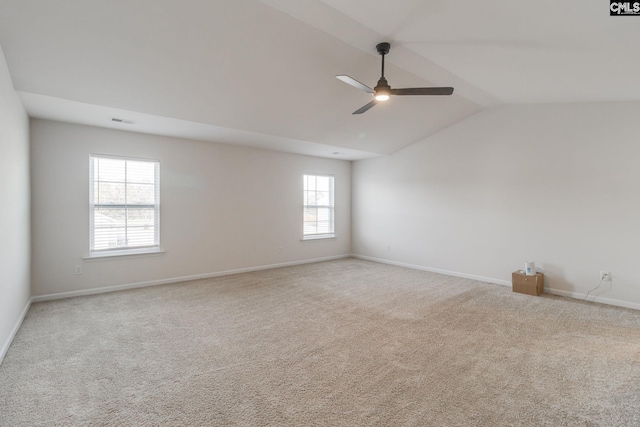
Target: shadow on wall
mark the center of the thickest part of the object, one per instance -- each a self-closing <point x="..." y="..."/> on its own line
<point x="554" y="278"/>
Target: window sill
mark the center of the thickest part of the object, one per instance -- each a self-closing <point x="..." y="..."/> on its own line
<point x="318" y="237"/>
<point x="124" y="253"/>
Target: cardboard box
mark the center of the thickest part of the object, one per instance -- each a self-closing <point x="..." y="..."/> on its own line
<point x="530" y="285"/>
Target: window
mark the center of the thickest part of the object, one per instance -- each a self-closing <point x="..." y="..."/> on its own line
<point x="318" y="207"/>
<point x="125" y="205"/>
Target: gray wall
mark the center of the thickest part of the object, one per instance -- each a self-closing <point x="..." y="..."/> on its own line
<point x="556" y="184"/>
<point x="222" y="208"/>
<point x="14" y="209"/>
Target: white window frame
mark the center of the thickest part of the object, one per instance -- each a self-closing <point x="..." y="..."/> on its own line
<point x="307" y="205"/>
<point x="125" y="249"/>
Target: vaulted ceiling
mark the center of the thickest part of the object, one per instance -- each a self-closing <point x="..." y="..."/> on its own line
<point x="262" y="73"/>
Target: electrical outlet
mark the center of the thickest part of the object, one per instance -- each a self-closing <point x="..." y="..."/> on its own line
<point x="605" y="276"/>
<point x="78" y="269"/>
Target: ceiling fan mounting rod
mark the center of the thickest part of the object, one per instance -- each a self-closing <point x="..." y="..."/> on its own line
<point x="383" y="49"/>
<point x="382" y="89"/>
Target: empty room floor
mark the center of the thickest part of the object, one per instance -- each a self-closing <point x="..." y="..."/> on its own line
<point x="345" y="342"/>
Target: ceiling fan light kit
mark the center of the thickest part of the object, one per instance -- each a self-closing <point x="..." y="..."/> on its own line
<point x="382" y="91"/>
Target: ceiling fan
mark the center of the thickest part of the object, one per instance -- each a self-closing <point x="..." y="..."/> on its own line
<point x="383" y="91"/>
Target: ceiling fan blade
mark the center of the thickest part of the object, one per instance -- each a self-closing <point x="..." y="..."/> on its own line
<point x="423" y="91"/>
<point x="353" y="82"/>
<point x="365" y="108"/>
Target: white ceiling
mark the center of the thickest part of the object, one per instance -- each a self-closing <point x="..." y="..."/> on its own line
<point x="262" y="73"/>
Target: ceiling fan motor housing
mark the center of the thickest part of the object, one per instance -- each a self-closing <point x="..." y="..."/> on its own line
<point x="382" y="85"/>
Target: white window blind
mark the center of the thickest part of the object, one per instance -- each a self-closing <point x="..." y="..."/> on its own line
<point x="125" y="204"/>
<point x="318" y="207"/>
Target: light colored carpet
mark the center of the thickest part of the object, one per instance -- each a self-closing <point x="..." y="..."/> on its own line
<point x="341" y="343"/>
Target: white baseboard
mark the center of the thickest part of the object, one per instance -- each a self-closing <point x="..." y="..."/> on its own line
<point x="101" y="290"/>
<point x="435" y="270"/>
<point x="560" y="292"/>
<point x="600" y="300"/>
<point x="14" y="331"/>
